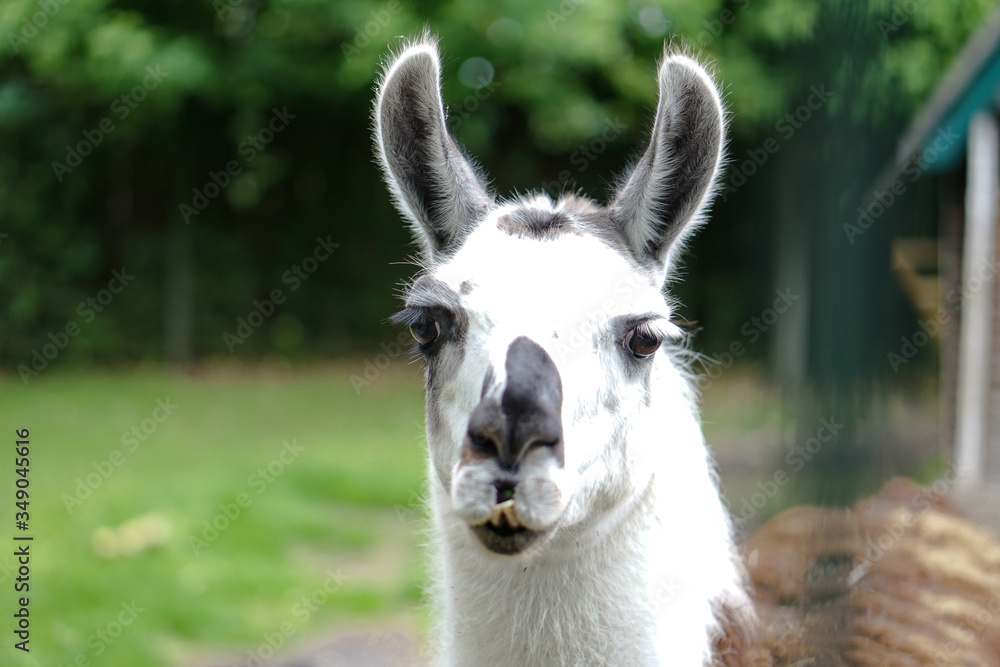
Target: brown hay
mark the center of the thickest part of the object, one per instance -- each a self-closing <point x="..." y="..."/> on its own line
<point x="900" y="580"/>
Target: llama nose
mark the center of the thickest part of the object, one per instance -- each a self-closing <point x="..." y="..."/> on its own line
<point x="528" y="413"/>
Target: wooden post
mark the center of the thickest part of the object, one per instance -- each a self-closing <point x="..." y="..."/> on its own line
<point x="975" y="337"/>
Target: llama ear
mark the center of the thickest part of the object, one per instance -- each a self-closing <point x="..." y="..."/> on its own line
<point x="662" y="199"/>
<point x="440" y="193"/>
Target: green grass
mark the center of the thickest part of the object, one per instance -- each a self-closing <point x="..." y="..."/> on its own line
<point x="329" y="517"/>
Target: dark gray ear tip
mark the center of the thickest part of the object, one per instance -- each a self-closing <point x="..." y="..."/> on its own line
<point x="417" y="64"/>
<point x="682" y="76"/>
<point x="424" y="60"/>
<point x="681" y="69"/>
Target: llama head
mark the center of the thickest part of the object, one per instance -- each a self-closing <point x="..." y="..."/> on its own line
<point x="541" y="322"/>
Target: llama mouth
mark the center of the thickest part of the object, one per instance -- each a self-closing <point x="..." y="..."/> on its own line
<point x="503" y="532"/>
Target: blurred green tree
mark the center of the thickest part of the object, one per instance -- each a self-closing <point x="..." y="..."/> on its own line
<point x="141" y="134"/>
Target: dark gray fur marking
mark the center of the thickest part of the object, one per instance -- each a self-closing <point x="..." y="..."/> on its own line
<point x="429" y="292"/>
<point x="444" y="304"/>
<point x="532" y="399"/>
<point x="529" y="412"/>
<point x="488" y="380"/>
<point x="577" y="215"/>
<point x="440" y="367"/>
<point x="534" y="223"/>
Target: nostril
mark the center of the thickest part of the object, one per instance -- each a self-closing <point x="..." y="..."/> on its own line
<point x="505" y="490"/>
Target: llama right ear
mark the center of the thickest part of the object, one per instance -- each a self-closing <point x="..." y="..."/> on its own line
<point x="440" y="193"/>
<point x="665" y="195"/>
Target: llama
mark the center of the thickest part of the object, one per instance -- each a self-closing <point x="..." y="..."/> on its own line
<point x="576" y="514"/>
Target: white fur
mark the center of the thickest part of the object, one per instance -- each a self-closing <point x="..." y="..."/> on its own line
<point x="642" y="549"/>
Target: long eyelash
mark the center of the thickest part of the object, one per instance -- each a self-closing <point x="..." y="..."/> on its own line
<point x="687" y="326"/>
<point x="408" y="316"/>
<point x="661" y="328"/>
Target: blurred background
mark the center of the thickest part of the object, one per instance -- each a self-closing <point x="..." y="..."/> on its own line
<point x="198" y="258"/>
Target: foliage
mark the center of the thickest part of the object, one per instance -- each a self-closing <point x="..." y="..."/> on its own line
<point x="530" y="86"/>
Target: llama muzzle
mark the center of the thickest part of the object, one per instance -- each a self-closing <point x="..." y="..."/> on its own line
<point x="507" y="482"/>
<point x="525" y="415"/>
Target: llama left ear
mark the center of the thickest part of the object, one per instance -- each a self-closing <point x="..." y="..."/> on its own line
<point x="434" y="186"/>
<point x="665" y="195"/>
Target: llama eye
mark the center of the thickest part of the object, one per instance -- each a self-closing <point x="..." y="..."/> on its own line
<point x="425" y="330"/>
<point x="641" y="342"/>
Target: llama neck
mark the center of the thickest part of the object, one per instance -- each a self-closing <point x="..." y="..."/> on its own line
<point x="600" y="603"/>
<point x="557" y="609"/>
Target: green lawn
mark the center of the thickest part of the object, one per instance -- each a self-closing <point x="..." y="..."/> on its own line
<point x="328" y="517"/>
